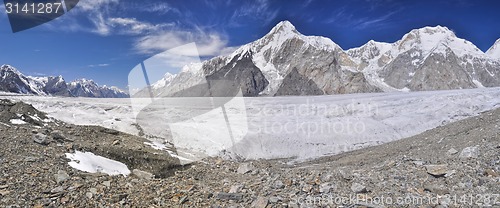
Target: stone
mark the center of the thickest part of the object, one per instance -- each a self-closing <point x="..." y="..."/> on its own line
<point x="441" y="190"/>
<point x="450" y="173"/>
<point x="245" y="168"/>
<point x="61" y="176"/>
<point x="235" y="189"/>
<point x="307" y="188"/>
<point x="452" y="151"/>
<point x="30" y="159"/>
<point x="107" y="183"/>
<point x="279" y="184"/>
<point x="110" y="131"/>
<point x="229" y="196"/>
<point x="491" y="173"/>
<point x="469" y="152"/>
<point x="58" y="135"/>
<point x="93" y="190"/>
<point x="325" y="188"/>
<point x="274" y="199"/>
<point x="418" y="162"/>
<point x="358" y="188"/>
<point x="41" y="139"/>
<point x="56" y="190"/>
<point x="183" y="200"/>
<point x="4" y="192"/>
<point x="260" y="202"/>
<point x="142" y="174"/>
<point x="437" y="170"/>
<point x="118" y="197"/>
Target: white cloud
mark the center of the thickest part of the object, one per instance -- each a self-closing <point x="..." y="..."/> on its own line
<point x="98" y="65"/>
<point x="159" y="8"/>
<point x="92" y="5"/>
<point x="133" y="26"/>
<point x="258" y="9"/>
<point x="101" y="27"/>
<point x="208" y="44"/>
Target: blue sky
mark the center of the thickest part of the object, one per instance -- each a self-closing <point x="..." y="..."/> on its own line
<point x="104" y="39"/>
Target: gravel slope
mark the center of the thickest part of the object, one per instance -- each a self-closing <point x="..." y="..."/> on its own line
<point x="456" y="165"/>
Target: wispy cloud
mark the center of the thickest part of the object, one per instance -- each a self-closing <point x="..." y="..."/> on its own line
<point x="257" y="10"/>
<point x="344" y="18"/>
<point x="98" y="65"/>
<point x="133" y="26"/>
<point x="94" y="5"/>
<point x="104" y="20"/>
<point x="373" y="22"/>
<point x="209" y="44"/>
<point x="157" y="8"/>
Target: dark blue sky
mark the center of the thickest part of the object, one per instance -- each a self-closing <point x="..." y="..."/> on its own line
<point x="104" y="39"/>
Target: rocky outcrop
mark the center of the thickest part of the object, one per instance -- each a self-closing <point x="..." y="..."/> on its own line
<point x="239" y="74"/>
<point x="56" y="86"/>
<point x="297" y="84"/>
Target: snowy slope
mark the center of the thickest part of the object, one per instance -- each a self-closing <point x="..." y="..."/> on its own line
<point x="494" y="51"/>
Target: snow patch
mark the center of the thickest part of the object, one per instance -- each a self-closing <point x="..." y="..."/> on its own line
<point x="156" y="145"/>
<point x="88" y="162"/>
<point x="17" y="122"/>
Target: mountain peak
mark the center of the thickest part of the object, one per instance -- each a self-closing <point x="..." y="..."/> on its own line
<point x="284" y="26"/>
<point x="434" y="30"/>
<point x="9" y="68"/>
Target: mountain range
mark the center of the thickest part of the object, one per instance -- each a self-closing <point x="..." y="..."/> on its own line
<point x="11" y="80"/>
<point x="285" y="62"/>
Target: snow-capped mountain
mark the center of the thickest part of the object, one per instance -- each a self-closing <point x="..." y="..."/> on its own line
<point x="494" y="51"/>
<point x="11" y="80"/>
<point x="430" y="58"/>
<point x="157" y="87"/>
<point x="285" y="62"/>
<point x="88" y="88"/>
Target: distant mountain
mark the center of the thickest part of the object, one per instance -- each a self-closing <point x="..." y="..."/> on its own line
<point x="285" y="62"/>
<point x="11" y="80"/>
<point x="157" y="87"/>
<point x="430" y="58"/>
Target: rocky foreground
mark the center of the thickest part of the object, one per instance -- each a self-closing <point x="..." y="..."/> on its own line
<point x="456" y="165"/>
